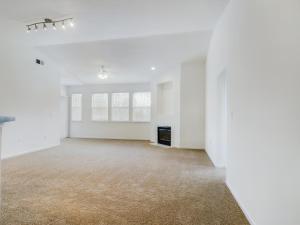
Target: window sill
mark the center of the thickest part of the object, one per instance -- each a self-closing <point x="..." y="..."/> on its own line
<point x="95" y="121"/>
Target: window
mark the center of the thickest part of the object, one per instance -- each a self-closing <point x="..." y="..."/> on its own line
<point x="141" y="103"/>
<point x="120" y="107"/>
<point x="76" y="107"/>
<point x="100" y="107"/>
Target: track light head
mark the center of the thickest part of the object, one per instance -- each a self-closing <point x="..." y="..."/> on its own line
<point x="47" y="20"/>
<point x="54" y="26"/>
<point x="45" y="26"/>
<point x="71" y="23"/>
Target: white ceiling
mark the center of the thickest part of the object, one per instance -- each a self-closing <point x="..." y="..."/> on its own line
<point x="128" y="36"/>
<point x="128" y="60"/>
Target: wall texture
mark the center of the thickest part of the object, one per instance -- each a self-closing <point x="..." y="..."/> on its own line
<point x="257" y="44"/>
<point x="192" y="105"/>
<point x="111" y="130"/>
<point x="29" y="92"/>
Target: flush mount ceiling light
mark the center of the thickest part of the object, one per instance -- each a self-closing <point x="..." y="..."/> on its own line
<point x="103" y="74"/>
<point x="48" y="23"/>
<point x="153" y="68"/>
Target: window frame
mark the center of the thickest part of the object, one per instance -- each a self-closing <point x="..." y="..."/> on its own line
<point x="81" y="107"/>
<point x="137" y="107"/>
<point x="113" y="107"/>
<point x="108" y="107"/>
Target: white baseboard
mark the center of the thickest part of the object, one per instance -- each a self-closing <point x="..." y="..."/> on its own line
<point x="159" y="145"/>
<point x="31" y="151"/>
<point x="109" y="138"/>
<point x="249" y="218"/>
<point x="217" y="165"/>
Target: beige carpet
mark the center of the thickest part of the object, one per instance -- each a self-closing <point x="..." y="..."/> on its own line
<point x="93" y="182"/>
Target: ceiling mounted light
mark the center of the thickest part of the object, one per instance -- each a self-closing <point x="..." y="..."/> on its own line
<point x="103" y="74"/>
<point x="50" y="22"/>
<point x="153" y="68"/>
<point x="72" y="23"/>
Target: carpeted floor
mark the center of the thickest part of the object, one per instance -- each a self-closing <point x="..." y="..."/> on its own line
<point x="94" y="182"/>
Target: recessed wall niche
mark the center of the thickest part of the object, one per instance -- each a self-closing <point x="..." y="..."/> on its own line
<point x="165" y="100"/>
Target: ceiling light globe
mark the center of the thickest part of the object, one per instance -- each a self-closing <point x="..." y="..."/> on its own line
<point x="103" y="76"/>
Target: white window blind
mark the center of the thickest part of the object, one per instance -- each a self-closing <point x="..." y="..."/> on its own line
<point x="100" y="107"/>
<point x="141" y="103"/>
<point x="76" y="107"/>
<point x="120" y="107"/>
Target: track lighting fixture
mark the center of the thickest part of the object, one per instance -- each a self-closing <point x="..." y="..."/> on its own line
<point x="50" y="21"/>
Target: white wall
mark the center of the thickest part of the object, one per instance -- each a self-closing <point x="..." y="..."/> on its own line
<point x="29" y="92"/>
<point x="110" y="130"/>
<point x="257" y="44"/>
<point x="192" y="109"/>
<point x="64" y="113"/>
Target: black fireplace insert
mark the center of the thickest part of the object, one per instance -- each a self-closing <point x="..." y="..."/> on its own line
<point x="164" y="135"/>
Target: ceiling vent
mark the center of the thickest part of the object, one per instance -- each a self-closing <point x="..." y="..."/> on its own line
<point x="40" y="62"/>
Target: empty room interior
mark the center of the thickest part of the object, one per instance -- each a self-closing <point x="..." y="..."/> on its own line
<point x="150" y="112"/>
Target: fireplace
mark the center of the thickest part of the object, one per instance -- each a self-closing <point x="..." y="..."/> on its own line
<point x="164" y="135"/>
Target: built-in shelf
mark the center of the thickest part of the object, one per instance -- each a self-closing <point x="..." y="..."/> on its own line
<point x="165" y="99"/>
